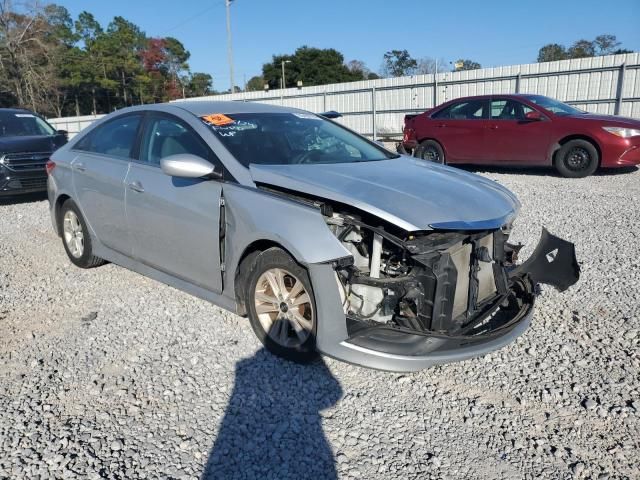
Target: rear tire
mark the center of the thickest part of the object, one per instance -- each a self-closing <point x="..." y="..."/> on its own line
<point x="76" y="238"/>
<point x="281" y="306"/>
<point x="431" y="151"/>
<point x="577" y="159"/>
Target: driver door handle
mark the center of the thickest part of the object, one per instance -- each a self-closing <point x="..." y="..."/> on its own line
<point x="136" y="186"/>
<point x="442" y="125"/>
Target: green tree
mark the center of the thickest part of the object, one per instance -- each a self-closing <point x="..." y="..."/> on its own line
<point x="200" y="84"/>
<point x="465" y="64"/>
<point x="255" y="83"/>
<point x="605" y="44"/>
<point x="314" y="66"/>
<point x="398" y="63"/>
<point x="582" y="49"/>
<point x="552" y="52"/>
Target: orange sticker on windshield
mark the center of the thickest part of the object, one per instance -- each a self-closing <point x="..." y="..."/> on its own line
<point x="217" y="119"/>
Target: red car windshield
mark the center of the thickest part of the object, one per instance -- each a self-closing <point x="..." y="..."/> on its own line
<point x="558" y="108"/>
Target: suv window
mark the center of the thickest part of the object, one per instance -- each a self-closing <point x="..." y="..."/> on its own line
<point x="509" y="110"/>
<point x="165" y="136"/>
<point x="469" y="110"/>
<point x="115" y="138"/>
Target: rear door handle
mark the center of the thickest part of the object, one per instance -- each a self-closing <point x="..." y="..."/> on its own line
<point x="136" y="186"/>
<point x="79" y="166"/>
<point x="494" y="127"/>
<point x="442" y="125"/>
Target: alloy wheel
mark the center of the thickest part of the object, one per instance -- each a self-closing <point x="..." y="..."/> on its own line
<point x="284" y="308"/>
<point x="73" y="234"/>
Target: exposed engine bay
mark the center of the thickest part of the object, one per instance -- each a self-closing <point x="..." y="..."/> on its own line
<point x="446" y="283"/>
<point x="449" y="283"/>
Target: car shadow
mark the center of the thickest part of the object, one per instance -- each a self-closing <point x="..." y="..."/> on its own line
<point x="540" y="171"/>
<point x="272" y="426"/>
<point x="24" y="198"/>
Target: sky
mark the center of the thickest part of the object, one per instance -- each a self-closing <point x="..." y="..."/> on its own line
<point x="492" y="33"/>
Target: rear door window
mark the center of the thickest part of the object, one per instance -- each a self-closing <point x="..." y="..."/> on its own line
<point x="116" y="138"/>
<point x="468" y="110"/>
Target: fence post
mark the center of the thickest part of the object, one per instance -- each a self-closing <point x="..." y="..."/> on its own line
<point x="518" y="77"/>
<point x="324" y="101"/>
<point x="619" y="91"/>
<point x="435" y="89"/>
<point x="373" y="108"/>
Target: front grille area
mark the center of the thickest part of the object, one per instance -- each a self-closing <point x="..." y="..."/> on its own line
<point x="28" y="183"/>
<point x="25" y="162"/>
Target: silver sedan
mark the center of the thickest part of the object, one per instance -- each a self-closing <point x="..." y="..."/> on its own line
<point x="326" y="241"/>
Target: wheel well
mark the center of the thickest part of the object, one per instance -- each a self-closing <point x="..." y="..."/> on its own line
<point x="435" y="140"/>
<point x="430" y="138"/>
<point x="59" y="201"/>
<point x="244" y="267"/>
<point x="568" y="138"/>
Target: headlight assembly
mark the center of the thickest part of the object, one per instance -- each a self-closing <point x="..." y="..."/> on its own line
<point x="623" y="132"/>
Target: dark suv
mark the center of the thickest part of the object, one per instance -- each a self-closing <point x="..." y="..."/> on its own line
<point x="26" y="143"/>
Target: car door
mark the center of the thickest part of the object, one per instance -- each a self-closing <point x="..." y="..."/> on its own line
<point x="514" y="138"/>
<point x="174" y="222"/>
<point x="99" y="170"/>
<point x="461" y="130"/>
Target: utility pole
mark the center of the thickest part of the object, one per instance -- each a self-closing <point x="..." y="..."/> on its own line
<point x="282" y="80"/>
<point x="229" y="46"/>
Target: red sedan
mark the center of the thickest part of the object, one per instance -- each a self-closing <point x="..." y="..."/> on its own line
<point x="531" y="130"/>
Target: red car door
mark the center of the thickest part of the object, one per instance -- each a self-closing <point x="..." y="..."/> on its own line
<point x="512" y="137"/>
<point x="461" y="129"/>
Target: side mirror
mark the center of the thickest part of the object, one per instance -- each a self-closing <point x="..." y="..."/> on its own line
<point x="534" y="116"/>
<point x="331" y="114"/>
<point x="62" y="132"/>
<point x="185" y="165"/>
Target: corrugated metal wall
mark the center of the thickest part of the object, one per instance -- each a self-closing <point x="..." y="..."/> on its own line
<point x="608" y="84"/>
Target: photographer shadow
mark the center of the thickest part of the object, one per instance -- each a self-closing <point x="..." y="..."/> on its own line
<point x="272" y="427"/>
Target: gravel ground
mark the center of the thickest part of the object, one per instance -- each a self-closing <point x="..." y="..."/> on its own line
<point x="107" y="374"/>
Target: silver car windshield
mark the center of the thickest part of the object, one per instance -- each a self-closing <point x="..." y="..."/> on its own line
<point x="291" y="138"/>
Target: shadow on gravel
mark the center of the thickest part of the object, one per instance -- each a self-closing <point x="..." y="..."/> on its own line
<point x="272" y="426"/>
<point x="26" y="198"/>
<point x="540" y="171"/>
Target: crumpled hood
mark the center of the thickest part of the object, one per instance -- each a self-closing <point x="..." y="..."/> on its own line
<point x="412" y="194"/>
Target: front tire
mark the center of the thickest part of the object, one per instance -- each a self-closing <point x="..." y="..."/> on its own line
<point x="76" y="238"/>
<point x="431" y="151"/>
<point x="281" y="306"/>
<point x="577" y="159"/>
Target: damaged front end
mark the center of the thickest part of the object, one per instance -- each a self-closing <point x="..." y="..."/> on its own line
<point x="435" y="292"/>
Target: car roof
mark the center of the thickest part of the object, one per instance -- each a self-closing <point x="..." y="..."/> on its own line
<point x="206" y="107"/>
<point x="493" y="95"/>
<point x="15" y="110"/>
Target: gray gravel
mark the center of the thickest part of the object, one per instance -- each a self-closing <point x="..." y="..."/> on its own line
<point x="107" y="374"/>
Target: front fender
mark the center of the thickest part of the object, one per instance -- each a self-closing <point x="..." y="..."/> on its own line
<point x="255" y="215"/>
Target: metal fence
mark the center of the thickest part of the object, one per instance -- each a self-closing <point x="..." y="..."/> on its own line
<point x="608" y="84"/>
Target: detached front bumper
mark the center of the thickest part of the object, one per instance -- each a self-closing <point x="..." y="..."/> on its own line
<point x="389" y="348"/>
